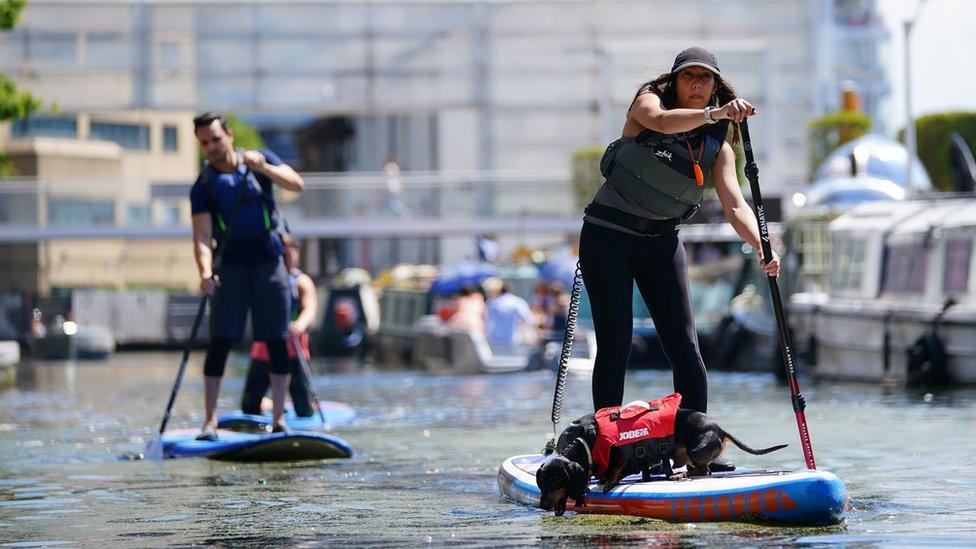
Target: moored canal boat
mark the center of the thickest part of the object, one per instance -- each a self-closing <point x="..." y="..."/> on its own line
<point x="900" y="299"/>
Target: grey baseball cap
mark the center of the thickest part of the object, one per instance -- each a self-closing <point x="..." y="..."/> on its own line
<point x="695" y="57"/>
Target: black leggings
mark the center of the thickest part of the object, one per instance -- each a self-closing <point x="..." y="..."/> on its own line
<point x="611" y="261"/>
<point x="219" y="348"/>
<point x="258" y="382"/>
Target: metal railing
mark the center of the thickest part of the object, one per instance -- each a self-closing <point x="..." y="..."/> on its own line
<point x="333" y="205"/>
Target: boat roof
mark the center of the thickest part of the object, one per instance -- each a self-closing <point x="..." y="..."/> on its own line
<point x="847" y="191"/>
<point x="876" y="156"/>
<point x="875" y="216"/>
<point x="938" y="214"/>
<point x="964" y="216"/>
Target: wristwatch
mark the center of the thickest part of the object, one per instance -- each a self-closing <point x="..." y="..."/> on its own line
<point x="708" y="115"/>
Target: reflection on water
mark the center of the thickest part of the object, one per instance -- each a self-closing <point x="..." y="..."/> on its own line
<point x="427" y="451"/>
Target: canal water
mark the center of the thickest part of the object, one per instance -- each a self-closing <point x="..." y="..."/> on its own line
<point x="427" y="450"/>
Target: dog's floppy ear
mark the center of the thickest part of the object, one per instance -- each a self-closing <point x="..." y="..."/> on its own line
<point x="578" y="483"/>
<point x="544" y="473"/>
<point x="540" y="473"/>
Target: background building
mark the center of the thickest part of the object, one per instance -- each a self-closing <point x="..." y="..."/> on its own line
<point x="464" y="92"/>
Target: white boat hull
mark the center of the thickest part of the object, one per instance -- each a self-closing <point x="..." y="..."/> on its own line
<point x="850" y="338"/>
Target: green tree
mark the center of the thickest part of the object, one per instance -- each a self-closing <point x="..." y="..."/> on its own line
<point x="246" y="135"/>
<point x="833" y="130"/>
<point x="585" y="166"/>
<point x="10" y="13"/>
<point x="14" y="103"/>
<point x="933" y="142"/>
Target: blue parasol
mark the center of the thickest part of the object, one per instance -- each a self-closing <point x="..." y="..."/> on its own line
<point x="453" y="276"/>
<point x="562" y="269"/>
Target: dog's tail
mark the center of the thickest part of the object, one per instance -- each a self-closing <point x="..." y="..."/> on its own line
<point x="744" y="447"/>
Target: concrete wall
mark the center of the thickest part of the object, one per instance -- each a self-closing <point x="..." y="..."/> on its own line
<point x="118" y="264"/>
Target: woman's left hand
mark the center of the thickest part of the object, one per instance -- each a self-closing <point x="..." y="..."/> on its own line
<point x="771" y="268"/>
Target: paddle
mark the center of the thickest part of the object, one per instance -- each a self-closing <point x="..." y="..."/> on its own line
<point x="154" y="450"/>
<point x="752" y="172"/>
<point x="302" y="360"/>
<point x="567" y="351"/>
<point x="307" y="372"/>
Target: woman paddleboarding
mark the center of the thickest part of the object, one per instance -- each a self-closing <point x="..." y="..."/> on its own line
<point x="675" y="142"/>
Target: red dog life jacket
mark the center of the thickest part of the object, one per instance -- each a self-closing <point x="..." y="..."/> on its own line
<point x="643" y="431"/>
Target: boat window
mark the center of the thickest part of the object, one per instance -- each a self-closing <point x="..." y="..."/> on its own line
<point x="905" y="268"/>
<point x="847" y="270"/>
<point x="398" y="303"/>
<point x="958" y="254"/>
<point x="811" y="240"/>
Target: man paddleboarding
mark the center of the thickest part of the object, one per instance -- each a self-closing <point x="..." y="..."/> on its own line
<point x="233" y="207"/>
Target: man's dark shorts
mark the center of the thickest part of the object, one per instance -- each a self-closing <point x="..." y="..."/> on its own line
<point x="262" y="288"/>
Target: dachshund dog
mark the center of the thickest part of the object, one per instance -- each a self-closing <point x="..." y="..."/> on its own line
<point x="698" y="441"/>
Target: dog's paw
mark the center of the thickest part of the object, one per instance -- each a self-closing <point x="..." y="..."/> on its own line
<point x="679" y="476"/>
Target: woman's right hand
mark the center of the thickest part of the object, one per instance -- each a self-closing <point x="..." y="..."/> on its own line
<point x="736" y="110"/>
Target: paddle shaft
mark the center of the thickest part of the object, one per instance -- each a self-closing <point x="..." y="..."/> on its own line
<point x="186" y="355"/>
<point x="215" y="265"/>
<point x="307" y="372"/>
<point x="302" y="360"/>
<point x="799" y="405"/>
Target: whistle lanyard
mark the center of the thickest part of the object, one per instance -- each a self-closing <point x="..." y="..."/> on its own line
<point x="699" y="176"/>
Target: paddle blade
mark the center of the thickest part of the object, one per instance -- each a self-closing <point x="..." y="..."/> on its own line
<point x="154" y="450"/>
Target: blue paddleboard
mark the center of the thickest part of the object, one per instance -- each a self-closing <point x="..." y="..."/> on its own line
<point x="235" y="446"/>
<point x="336" y="414"/>
<point x="794" y="497"/>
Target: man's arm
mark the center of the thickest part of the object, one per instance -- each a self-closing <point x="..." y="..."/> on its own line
<point x="202" y="240"/>
<point x="282" y="175"/>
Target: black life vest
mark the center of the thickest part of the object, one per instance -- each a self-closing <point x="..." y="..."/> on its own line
<point x="657" y="170"/>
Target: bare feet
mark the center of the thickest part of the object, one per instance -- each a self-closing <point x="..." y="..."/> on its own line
<point x="208" y="432"/>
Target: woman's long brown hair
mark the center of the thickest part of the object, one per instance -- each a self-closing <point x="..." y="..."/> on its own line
<point x="663" y="86"/>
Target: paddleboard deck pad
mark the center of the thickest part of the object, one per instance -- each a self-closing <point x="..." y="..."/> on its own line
<point x="235" y="446"/>
<point x="336" y="414"/>
<point x="795" y="497"/>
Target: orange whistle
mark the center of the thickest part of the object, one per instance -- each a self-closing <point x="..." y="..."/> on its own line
<point x="699" y="176"/>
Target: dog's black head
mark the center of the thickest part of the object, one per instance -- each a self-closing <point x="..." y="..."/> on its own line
<point x="560" y="479"/>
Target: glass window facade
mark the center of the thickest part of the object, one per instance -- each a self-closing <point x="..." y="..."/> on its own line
<point x="129" y="136"/>
<point x="137" y="214"/>
<point x="465" y="58"/>
<point x="45" y="126"/>
<point x="170" y="143"/>
<point x="72" y="211"/>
